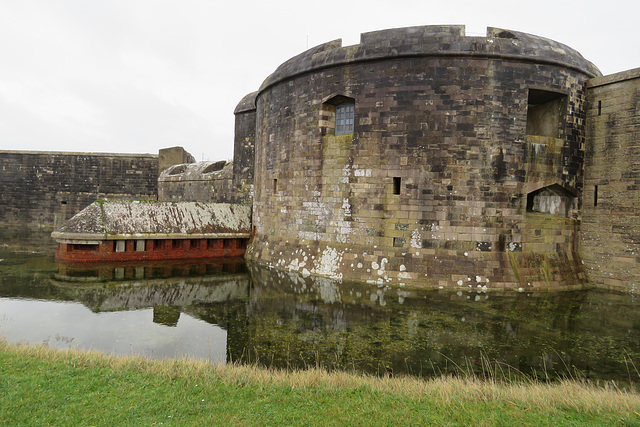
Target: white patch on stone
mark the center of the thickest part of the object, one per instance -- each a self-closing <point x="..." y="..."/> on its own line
<point x="416" y="239"/>
<point x="375" y="265"/>
<point x="478" y="278"/>
<point x="329" y="264"/>
<point x="403" y="268"/>
<point x="362" y="172"/>
<point x="293" y="265"/>
<point x="460" y="282"/>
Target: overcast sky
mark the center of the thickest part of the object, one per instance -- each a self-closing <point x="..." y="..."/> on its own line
<point x="134" y="76"/>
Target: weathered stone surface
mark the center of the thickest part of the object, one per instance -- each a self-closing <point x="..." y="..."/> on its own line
<point x="198" y="182"/>
<point x="440" y="146"/>
<point x="610" y="232"/>
<point x="41" y="190"/>
<point x="173" y="156"/>
<point x="244" y="148"/>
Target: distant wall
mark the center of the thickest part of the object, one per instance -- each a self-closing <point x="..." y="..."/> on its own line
<point x="610" y="236"/>
<point x="41" y="190"/>
<point x="198" y="182"/>
<point x="173" y="156"/>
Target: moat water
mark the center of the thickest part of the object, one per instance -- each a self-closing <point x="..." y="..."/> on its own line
<point x="224" y="311"/>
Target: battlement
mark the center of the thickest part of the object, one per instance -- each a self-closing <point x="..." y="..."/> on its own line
<point x="433" y="40"/>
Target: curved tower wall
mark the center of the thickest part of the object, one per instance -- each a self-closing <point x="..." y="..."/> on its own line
<point x="463" y="168"/>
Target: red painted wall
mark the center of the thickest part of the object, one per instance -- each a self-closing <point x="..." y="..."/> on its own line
<point x="154" y="250"/>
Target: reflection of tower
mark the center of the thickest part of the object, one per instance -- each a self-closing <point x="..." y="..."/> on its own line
<point x="166" y="315"/>
<point x="230" y="315"/>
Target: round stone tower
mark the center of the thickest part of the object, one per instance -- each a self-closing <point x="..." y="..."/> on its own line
<point x="423" y="157"/>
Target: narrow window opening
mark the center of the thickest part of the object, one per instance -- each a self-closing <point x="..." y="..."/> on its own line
<point x="599" y="108"/>
<point x="595" y="195"/>
<point x="502" y="242"/>
<point x="64" y="202"/>
<point x="397" y="184"/>
<point x="275" y="185"/>
<point x="195" y="243"/>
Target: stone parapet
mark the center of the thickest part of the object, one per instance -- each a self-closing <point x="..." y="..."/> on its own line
<point x="438" y="41"/>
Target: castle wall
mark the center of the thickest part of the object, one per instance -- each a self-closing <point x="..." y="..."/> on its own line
<point x="198" y="182"/>
<point x="244" y="148"/>
<point x="39" y="191"/>
<point x="610" y="237"/>
<point x="433" y="186"/>
<point x="173" y="156"/>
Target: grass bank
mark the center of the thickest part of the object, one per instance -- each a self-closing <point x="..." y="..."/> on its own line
<point x="43" y="386"/>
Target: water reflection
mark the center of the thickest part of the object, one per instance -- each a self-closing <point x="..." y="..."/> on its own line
<point x="220" y="311"/>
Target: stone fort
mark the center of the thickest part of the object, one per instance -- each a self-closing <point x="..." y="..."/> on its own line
<point x="425" y="157"/>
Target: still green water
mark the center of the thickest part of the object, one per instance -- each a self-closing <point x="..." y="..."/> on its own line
<point x="222" y="310"/>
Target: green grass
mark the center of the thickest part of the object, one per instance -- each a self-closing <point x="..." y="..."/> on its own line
<point x="42" y="386"/>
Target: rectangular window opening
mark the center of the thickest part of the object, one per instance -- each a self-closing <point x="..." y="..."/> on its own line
<point x="195" y="243"/>
<point x="120" y="245"/>
<point x="397" y="184"/>
<point x="158" y="244"/>
<point x="345" y="114"/>
<point x="140" y="245"/>
<point x="227" y="243"/>
<point x="595" y="195"/>
<point x="275" y="185"/>
<point x="599" y="108"/>
<point x="546" y="113"/>
<point x="175" y="244"/>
